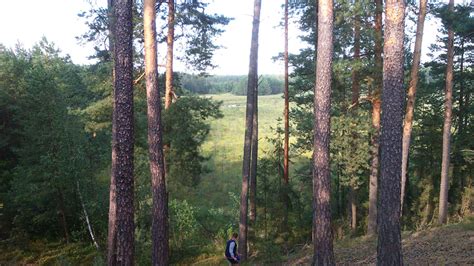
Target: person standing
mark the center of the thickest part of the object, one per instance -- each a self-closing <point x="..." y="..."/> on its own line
<point x="231" y="250"/>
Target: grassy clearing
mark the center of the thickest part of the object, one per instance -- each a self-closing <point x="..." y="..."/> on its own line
<point x="224" y="144"/>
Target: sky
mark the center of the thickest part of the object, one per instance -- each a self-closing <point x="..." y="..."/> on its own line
<point x="58" y="21"/>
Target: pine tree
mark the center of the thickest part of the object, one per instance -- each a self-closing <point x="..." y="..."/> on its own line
<point x="123" y="136"/>
<point x="444" y="184"/>
<point x="155" y="140"/>
<point x="169" y="90"/>
<point x="376" y="104"/>
<point x="389" y="250"/>
<point x="252" y="83"/>
<point x="322" y="234"/>
<point x="408" y="121"/>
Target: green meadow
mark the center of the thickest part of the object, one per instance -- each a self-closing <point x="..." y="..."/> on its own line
<point x="224" y="145"/>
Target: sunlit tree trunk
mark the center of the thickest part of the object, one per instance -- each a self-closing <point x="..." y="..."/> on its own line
<point x="389" y="251"/>
<point x="286" y="185"/>
<point x="375" y="95"/>
<point x="112" y="228"/>
<point x="444" y="185"/>
<point x="408" y="122"/>
<point x="322" y="238"/>
<point x="155" y="140"/>
<point x="252" y="83"/>
<point x="169" y="90"/>
<point x="253" y="166"/>
<point x="457" y="186"/>
<point x="122" y="134"/>
<point x="353" y="206"/>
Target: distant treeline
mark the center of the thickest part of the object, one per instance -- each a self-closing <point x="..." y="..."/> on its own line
<point x="268" y="84"/>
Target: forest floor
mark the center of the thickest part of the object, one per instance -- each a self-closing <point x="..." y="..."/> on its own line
<point x="452" y="244"/>
<point x="447" y="245"/>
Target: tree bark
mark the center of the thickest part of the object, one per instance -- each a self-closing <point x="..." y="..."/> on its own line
<point x="373" y="180"/>
<point x="123" y="136"/>
<point x="253" y="168"/>
<point x="322" y="238"/>
<point x="444" y="185"/>
<point x="457" y="186"/>
<point x="155" y="139"/>
<point x="112" y="225"/>
<point x="252" y="83"/>
<point x="389" y="250"/>
<point x="286" y="111"/>
<point x="408" y="122"/>
<point x="169" y="56"/>
<point x="374" y="167"/>
<point x="86" y="216"/>
<point x="353" y="201"/>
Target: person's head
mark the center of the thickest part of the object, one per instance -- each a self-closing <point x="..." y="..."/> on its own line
<point x="235" y="235"/>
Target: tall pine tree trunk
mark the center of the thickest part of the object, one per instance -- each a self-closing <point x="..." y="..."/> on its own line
<point x="252" y="83"/>
<point x="457" y="186"/>
<point x="353" y="206"/>
<point x="389" y="250"/>
<point x="322" y="233"/>
<point x="444" y="185"/>
<point x="408" y="122"/>
<point x="169" y="90"/>
<point x="286" y="111"/>
<point x="253" y="165"/>
<point x="123" y="136"/>
<point x="286" y="185"/>
<point x="355" y="102"/>
<point x="112" y="225"/>
<point x="155" y="140"/>
<point x="374" y="167"/>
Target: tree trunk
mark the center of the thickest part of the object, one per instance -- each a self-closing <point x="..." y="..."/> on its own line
<point x="123" y="135"/>
<point x="86" y="216"/>
<point x="253" y="168"/>
<point x="354" y="103"/>
<point x="462" y="102"/>
<point x="374" y="167"/>
<point x="444" y="186"/>
<point x="169" y="56"/>
<point x="353" y="200"/>
<point x="286" y="111"/>
<point x="389" y="251"/>
<point x="408" y="122"/>
<point x="355" y="66"/>
<point x="112" y="225"/>
<point x="322" y="238"/>
<point x="252" y="83"/>
<point x="155" y="140"/>
<point x="373" y="181"/>
<point x="62" y="212"/>
<point x="457" y="186"/>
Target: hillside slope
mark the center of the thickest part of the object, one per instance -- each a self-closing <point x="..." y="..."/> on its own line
<point x="452" y="244"/>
